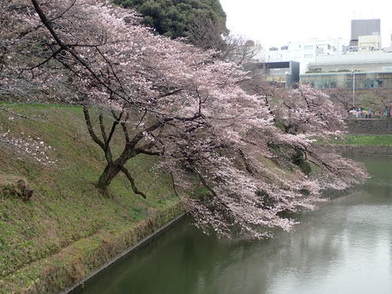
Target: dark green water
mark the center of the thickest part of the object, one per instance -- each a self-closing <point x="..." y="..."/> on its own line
<point x="345" y="247"/>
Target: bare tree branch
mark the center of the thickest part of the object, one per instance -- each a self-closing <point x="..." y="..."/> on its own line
<point x="132" y="181"/>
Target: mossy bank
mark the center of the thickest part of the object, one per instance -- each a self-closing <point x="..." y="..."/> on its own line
<point x="68" y="228"/>
<point x="364" y="144"/>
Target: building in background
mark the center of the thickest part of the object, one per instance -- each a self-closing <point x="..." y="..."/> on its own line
<point x="369" y="43"/>
<point x="283" y="74"/>
<point x="364" y="27"/>
<point x="361" y="63"/>
<point x="360" y="70"/>
<point x="366" y="62"/>
<point x="388" y="49"/>
<point x="304" y="52"/>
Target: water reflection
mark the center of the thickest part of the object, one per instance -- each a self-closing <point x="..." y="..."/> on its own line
<point x="345" y="247"/>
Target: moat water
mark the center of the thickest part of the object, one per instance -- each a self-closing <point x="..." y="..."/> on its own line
<point x="344" y="247"/>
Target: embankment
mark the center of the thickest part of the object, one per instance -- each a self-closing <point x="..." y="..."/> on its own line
<point x="363" y="149"/>
<point x="373" y="126"/>
<point x="68" y="228"/>
<point x="365" y="144"/>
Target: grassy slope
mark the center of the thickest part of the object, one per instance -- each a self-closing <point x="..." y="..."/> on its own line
<point x="67" y="219"/>
<point x="366" y="140"/>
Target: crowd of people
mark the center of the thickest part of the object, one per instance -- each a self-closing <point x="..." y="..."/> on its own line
<point x="360" y="112"/>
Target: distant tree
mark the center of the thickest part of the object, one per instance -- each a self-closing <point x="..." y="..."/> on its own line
<point x="340" y="96"/>
<point x="204" y="33"/>
<point x="176" y="19"/>
<point x="377" y="99"/>
<point x="240" y="50"/>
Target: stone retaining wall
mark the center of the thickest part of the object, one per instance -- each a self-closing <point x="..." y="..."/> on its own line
<point x="370" y="126"/>
<point x="364" y="150"/>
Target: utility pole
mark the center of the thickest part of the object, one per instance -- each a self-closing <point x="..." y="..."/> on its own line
<point x="353" y="72"/>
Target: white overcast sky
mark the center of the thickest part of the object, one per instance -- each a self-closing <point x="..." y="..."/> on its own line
<point x="275" y="22"/>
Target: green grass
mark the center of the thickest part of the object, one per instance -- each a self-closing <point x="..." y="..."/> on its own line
<point x="366" y="140"/>
<point x="66" y="208"/>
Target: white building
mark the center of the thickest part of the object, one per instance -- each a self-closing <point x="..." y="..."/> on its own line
<point x="361" y="70"/>
<point x="304" y="52"/>
<point x="369" y="43"/>
<point x="377" y="61"/>
<point x="388" y="49"/>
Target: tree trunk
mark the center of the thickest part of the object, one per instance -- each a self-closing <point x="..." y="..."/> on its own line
<point x="110" y="171"/>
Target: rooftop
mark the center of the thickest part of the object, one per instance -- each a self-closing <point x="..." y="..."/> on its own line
<point x="358" y="58"/>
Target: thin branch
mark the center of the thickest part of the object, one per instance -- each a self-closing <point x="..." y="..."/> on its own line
<point x="47" y="24"/>
<point x="142" y="118"/>
<point x="79" y="59"/>
<point x="86" y="45"/>
<point x="91" y="129"/>
<point x="248" y="166"/>
<point x="132" y="181"/>
<point x="54" y="54"/>
<point x="147" y="152"/>
<point x="111" y="68"/>
<point x="114" y="125"/>
<point x="204" y="182"/>
<point x="64" y="12"/>
<point x="102" y="126"/>
<point x="170" y="93"/>
<point x="124" y="128"/>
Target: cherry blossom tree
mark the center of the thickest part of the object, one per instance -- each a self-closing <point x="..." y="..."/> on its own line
<point x="344" y="97"/>
<point x="245" y="192"/>
<point x="312" y="115"/>
<point x="378" y="99"/>
<point x="248" y="148"/>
